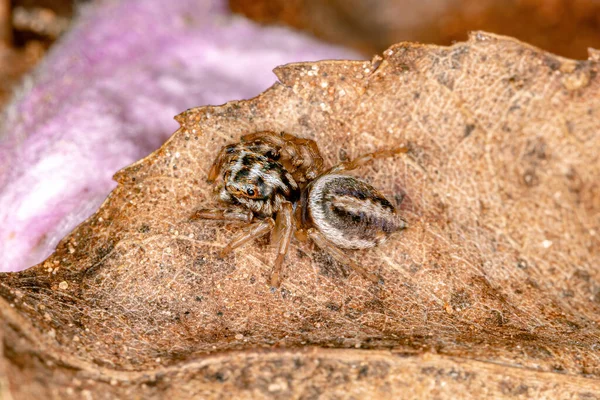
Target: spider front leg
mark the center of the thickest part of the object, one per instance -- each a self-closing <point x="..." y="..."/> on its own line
<point x="249" y="233"/>
<point x="215" y="168"/>
<point x="339" y="255"/>
<point x="282" y="236"/>
<point x="223" y="215"/>
<point x="252" y="231"/>
<point x="366" y="159"/>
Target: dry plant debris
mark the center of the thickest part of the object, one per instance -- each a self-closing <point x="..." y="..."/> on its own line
<point x="494" y="289"/>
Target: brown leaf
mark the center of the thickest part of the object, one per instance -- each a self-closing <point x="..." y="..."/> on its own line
<point x="499" y="263"/>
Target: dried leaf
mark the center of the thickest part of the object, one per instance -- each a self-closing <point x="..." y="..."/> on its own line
<point x="497" y="272"/>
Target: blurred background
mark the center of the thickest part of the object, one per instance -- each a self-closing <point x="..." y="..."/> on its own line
<point x="566" y="27"/>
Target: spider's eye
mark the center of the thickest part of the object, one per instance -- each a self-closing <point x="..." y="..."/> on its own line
<point x="250" y="192"/>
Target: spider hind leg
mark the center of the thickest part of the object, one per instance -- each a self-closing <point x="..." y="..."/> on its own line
<point x="366" y="159"/>
<point x="340" y="256"/>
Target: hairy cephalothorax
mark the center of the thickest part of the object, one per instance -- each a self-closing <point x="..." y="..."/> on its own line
<point x="269" y="176"/>
<point x="256" y="181"/>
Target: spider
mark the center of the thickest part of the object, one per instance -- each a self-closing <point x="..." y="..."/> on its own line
<point x="275" y="181"/>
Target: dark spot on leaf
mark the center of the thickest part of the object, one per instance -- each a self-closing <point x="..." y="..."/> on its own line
<point x="363" y="371"/>
<point x="145" y="228"/>
<point x="460" y="300"/>
<point x="513" y="389"/>
<point x="468" y="129"/>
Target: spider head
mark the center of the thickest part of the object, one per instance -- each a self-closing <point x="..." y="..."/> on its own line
<point x="247" y="186"/>
<point x="256" y="177"/>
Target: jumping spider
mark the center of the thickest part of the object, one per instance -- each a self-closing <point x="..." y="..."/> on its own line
<point x="278" y="179"/>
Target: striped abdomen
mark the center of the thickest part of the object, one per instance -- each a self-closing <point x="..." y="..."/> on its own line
<point x="351" y="213"/>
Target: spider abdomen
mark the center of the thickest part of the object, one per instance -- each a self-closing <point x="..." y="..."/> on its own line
<point x="351" y="213"/>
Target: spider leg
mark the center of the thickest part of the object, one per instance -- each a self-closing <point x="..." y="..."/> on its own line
<point x="218" y="163"/>
<point x="366" y="159"/>
<point x="223" y="215"/>
<point x="251" y="232"/>
<point x="281" y="238"/>
<point x="282" y="144"/>
<point x="297" y="153"/>
<point x="265" y="136"/>
<point x="303" y="153"/>
<point x="339" y="255"/>
<point x="312" y="161"/>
